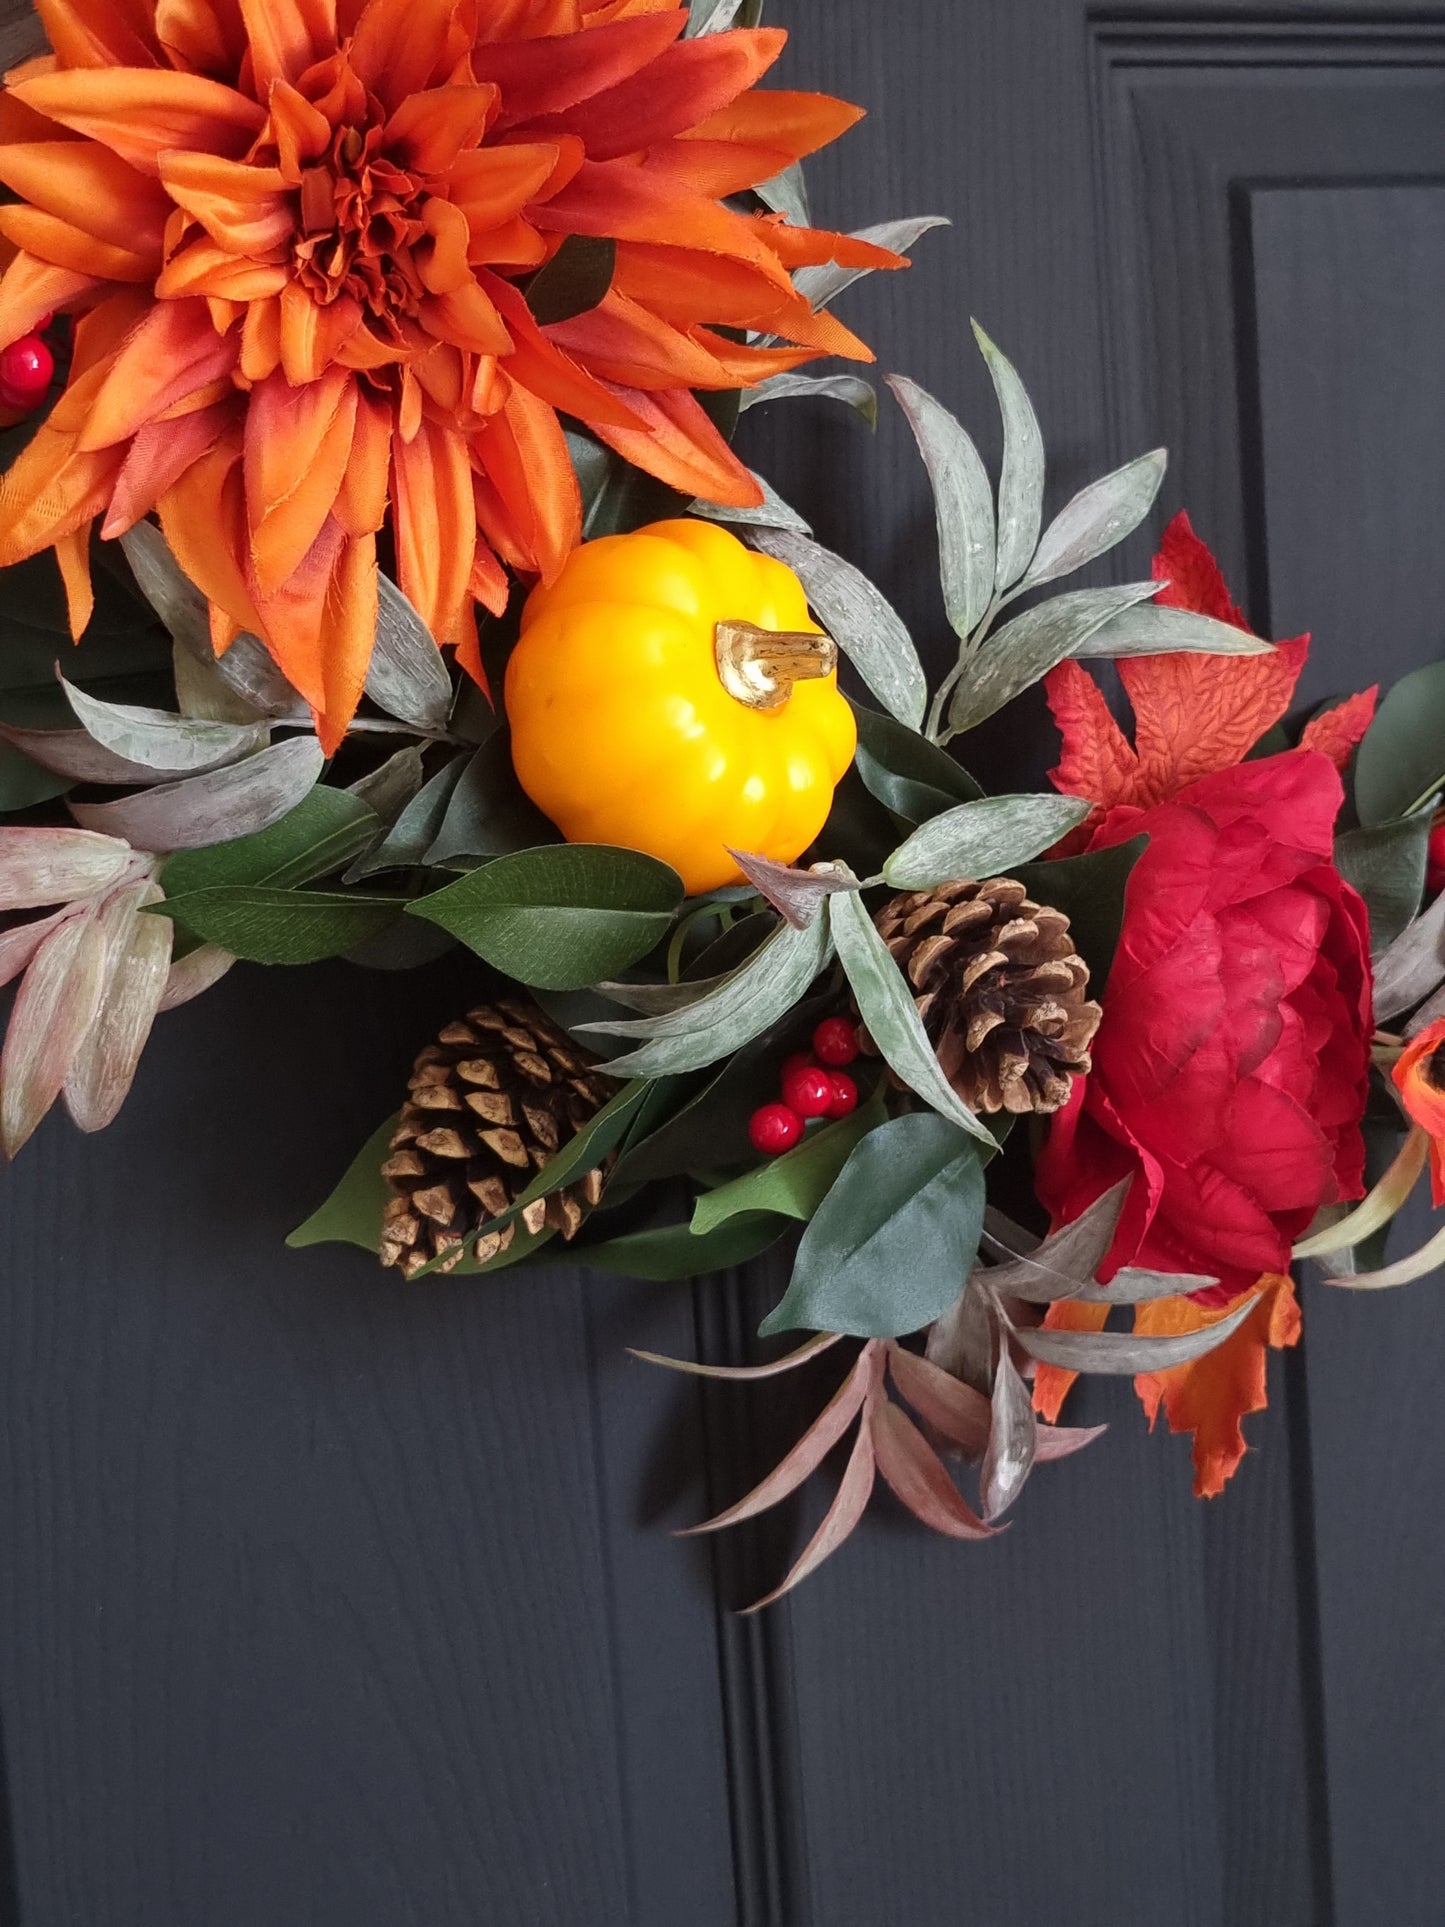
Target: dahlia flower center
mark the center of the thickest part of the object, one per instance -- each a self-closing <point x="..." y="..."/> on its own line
<point x="359" y="218"/>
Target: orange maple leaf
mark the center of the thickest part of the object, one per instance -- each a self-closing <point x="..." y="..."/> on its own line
<point x="1336" y="732"/>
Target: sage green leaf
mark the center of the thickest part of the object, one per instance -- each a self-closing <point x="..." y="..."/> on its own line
<point x="1411" y="967"/>
<point x="864" y="625"/>
<point x="1386" y="863"/>
<point x="911" y="776"/>
<point x="215" y="806"/>
<point x="859" y="395"/>
<point x="352" y="1213"/>
<point x="711" y="16"/>
<point x="1154" y="629"/>
<point x="406" y="675"/>
<point x="157" y="741"/>
<point x="271" y="926"/>
<point x="574" y="280"/>
<point x="489" y="814"/>
<point x="1121" y="1353"/>
<point x="787" y="193"/>
<point x="886" y="1005"/>
<point x="1097" y="518"/>
<point x="1090" y="890"/>
<point x="886" y="1248"/>
<point x="669" y="1252"/>
<point x="795" y="1184"/>
<point x="203" y="693"/>
<point x="406" y="843"/>
<point x="982" y="839"/>
<point x="561" y="916"/>
<point x="822" y="285"/>
<point x="771" y="513"/>
<point x="323" y="832"/>
<point x="73" y="755"/>
<point x="728" y="1015"/>
<point x="962" y="500"/>
<point x="1021" y="479"/>
<point x="1033" y="644"/>
<point x="1402" y="758"/>
<point x="387" y="789"/>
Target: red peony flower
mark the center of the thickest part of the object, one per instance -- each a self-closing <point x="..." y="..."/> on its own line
<point x="1230" y="1070"/>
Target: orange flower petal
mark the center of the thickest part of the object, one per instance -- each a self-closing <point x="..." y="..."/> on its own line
<point x="141" y="114"/>
<point x="348" y="631"/>
<point x="49" y="238"/>
<point x="683" y="85"/>
<point x="495" y="183"/>
<point x="436" y="524"/>
<point x="293" y="617"/>
<point x="203" y="517"/>
<point x="261" y="339"/>
<point x="312" y="336"/>
<point x="91" y="188"/>
<point x="429" y="130"/>
<point x="550" y="374"/>
<point x="287" y="36"/>
<point x="400" y="45"/>
<point x="611" y="199"/>
<point x="1415" y="1075"/>
<point x="246" y="210"/>
<point x="549" y="75"/>
<point x="94" y="34"/>
<point x="32" y="289"/>
<point x="362" y="498"/>
<point x="524" y="453"/>
<point x="302" y="132"/>
<point x="621" y="341"/>
<point x="172" y="352"/>
<point x="72" y="552"/>
<point x="297" y="447"/>
<point x="1210" y="1396"/>
<point x="679" y="444"/>
<point x="798" y="124"/>
<point x="50" y="490"/>
<point x="157" y="459"/>
<point x="200" y="36"/>
<point x="206" y="268"/>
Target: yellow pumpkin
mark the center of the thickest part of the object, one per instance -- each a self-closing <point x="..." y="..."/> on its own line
<point x="670" y="693"/>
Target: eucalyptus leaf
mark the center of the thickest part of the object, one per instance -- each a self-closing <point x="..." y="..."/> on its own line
<point x="771" y="513"/>
<point x="1154" y="629"/>
<point x="886" y="1005"/>
<point x="1090" y="890"/>
<point x="787" y="193"/>
<point x="1097" y="518"/>
<point x="320" y="835"/>
<point x="859" y="395"/>
<point x="1121" y="1353"/>
<point x="575" y="279"/>
<point x="711" y="16"/>
<point x="1032" y="644"/>
<point x="73" y="755"/>
<point x="561" y="916"/>
<point x="982" y="839"/>
<point x="1401" y="760"/>
<point x="1386" y="863"/>
<point x="1021" y="480"/>
<point x="911" y="776"/>
<point x="276" y="926"/>
<point x="165" y="745"/>
<point x="887" y="1246"/>
<point x="795" y="1184"/>
<point x="864" y="625"/>
<point x="203" y="692"/>
<point x="213" y="807"/>
<point x="406" y="675"/>
<point x="728" y="1015"/>
<point x="822" y="285"/>
<point x="963" y="504"/>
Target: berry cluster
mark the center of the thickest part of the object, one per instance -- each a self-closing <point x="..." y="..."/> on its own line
<point x="814" y="1085"/>
<point x="27" y="369"/>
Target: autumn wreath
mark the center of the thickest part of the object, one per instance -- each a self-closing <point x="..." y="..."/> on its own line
<point x="391" y="349"/>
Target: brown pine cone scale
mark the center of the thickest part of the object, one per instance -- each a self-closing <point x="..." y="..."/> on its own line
<point x="497" y="1095"/>
<point x="1000" y="989"/>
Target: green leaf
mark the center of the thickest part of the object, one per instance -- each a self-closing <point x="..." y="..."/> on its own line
<point x="885" y="1003"/>
<point x="323" y="832"/>
<point x="982" y="839"/>
<point x="352" y="1214"/>
<point x="405" y="845"/>
<point x="795" y="1184"/>
<point x="729" y="1014"/>
<point x="1386" y="863"/>
<point x="1402" y="758"/>
<point x="911" y="776"/>
<point x="963" y="504"/>
<point x="669" y="1252"/>
<point x="865" y="626"/>
<point x="1033" y="644"/>
<point x="489" y="813"/>
<point x="574" y="280"/>
<point x="1090" y="891"/>
<point x="280" y="926"/>
<point x="859" y="831"/>
<point x="616" y="497"/>
<point x="1097" y="518"/>
<point x="1021" y="481"/>
<point x="562" y="916"/>
<point x="23" y="783"/>
<point x="890" y="1242"/>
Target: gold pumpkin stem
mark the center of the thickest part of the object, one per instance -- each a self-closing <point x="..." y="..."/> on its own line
<point x="760" y="666"/>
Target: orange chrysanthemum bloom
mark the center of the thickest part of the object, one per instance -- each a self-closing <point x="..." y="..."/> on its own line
<point x="294" y="230"/>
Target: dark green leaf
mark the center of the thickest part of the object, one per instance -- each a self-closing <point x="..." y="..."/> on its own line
<point x="1386" y="864"/>
<point x="406" y="843"/>
<point x="616" y="497"/>
<point x="281" y="926"/>
<point x="668" y="1252"/>
<point x="574" y="280"/>
<point x="23" y="783"/>
<point x="911" y="776"/>
<point x="1402" y="758"/>
<point x="795" y="1184"/>
<point x="889" y="1243"/>
<point x="562" y="916"/>
<point x="1089" y="889"/>
<point x="326" y="828"/>
<point x="859" y="830"/>
<point x="352" y="1214"/>
<point x="489" y="813"/>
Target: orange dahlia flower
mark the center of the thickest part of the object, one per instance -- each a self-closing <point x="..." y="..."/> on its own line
<point x="294" y="232"/>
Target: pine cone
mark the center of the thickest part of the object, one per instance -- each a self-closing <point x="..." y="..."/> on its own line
<point x="1000" y="990"/>
<point x="491" y="1101"/>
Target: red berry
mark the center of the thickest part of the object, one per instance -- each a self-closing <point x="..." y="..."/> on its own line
<point x="798" y="1060"/>
<point x="845" y="1095"/>
<point x="26" y="368"/>
<point x="774" y="1128"/>
<point x="808" y="1089"/>
<point x="836" y="1041"/>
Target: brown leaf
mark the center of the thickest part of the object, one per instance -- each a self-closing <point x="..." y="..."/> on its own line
<point x="843" y="1514"/>
<point x="917" y="1476"/>
<point x="952" y="1408"/>
<point x="784" y="1364"/>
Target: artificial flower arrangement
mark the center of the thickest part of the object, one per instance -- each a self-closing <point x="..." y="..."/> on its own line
<point x="391" y="350"/>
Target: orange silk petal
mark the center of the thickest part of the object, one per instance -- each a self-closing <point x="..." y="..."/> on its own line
<point x="294" y="617"/>
<point x="72" y="552"/>
<point x="94" y="34"/>
<point x="622" y="341"/>
<point x="429" y="130"/>
<point x="798" y="124"/>
<point x="436" y="524"/>
<point x="287" y="37"/>
<point x="141" y="114"/>
<point x="524" y="454"/>
<point x="1337" y="731"/>
<point x="206" y="268"/>
<point x="553" y="376"/>
<point x="348" y="630"/>
<point x="298" y="445"/>
<point x="683" y="85"/>
<point x="1052" y="1382"/>
<point x="54" y="240"/>
<point x="157" y="459"/>
<point x="245" y="210"/>
<point x="1210" y="1396"/>
<point x="679" y="444"/>
<point x="91" y="188"/>
<point x="361" y="499"/>
<point x="50" y="490"/>
<point x="547" y="76"/>
<point x="200" y="38"/>
<point x="173" y="352"/>
<point x="32" y="289"/>
<point x="311" y="336"/>
<point x="492" y="184"/>
<point x="203" y="517"/>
